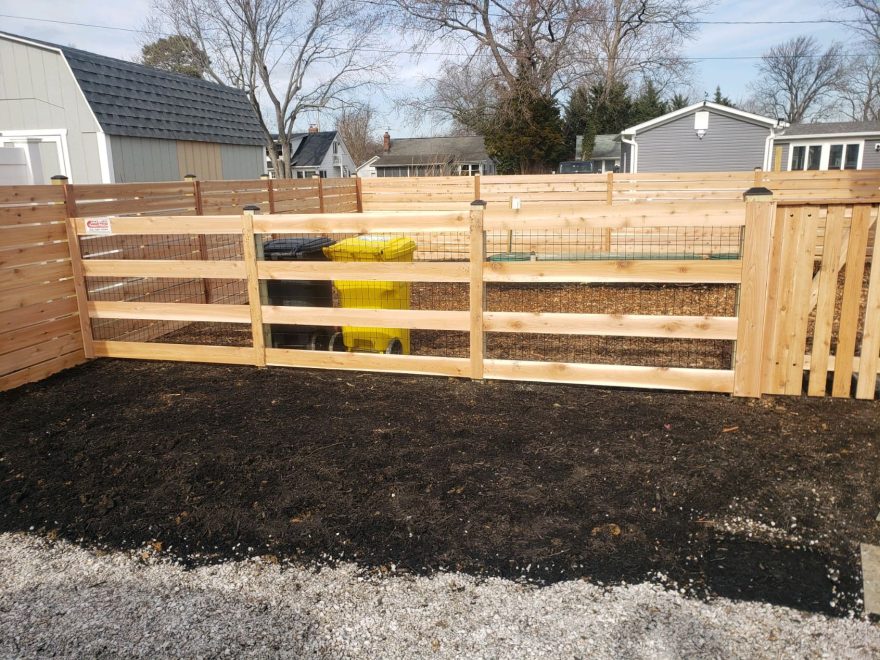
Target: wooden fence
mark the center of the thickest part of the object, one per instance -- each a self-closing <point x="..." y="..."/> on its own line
<point x="381" y="194"/>
<point x="772" y="295"/>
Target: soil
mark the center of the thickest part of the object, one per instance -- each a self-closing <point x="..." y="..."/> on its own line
<point x="757" y="499"/>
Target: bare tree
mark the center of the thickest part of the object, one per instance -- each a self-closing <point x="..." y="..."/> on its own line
<point x="290" y="56"/>
<point x="642" y="38"/>
<point x="357" y="129"/>
<point x="797" y="80"/>
<point x="859" y="89"/>
<point x="868" y="24"/>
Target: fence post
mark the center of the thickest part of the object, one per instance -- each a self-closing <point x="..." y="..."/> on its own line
<point x="477" y="289"/>
<point x="609" y="192"/>
<point x="760" y="210"/>
<point x="320" y="194"/>
<point x="203" y="242"/>
<point x="255" y="293"/>
<point x="476" y="187"/>
<point x="359" y="194"/>
<point x="270" y="191"/>
<point x="79" y="280"/>
<point x="759" y="178"/>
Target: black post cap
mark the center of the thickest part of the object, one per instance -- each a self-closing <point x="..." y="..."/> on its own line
<point x="478" y="202"/>
<point x="252" y="207"/>
<point x="757" y="192"/>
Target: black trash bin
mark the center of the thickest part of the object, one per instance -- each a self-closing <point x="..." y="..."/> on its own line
<point x="299" y="293"/>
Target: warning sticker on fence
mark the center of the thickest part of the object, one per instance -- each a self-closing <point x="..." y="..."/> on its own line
<point x="98" y="226"/>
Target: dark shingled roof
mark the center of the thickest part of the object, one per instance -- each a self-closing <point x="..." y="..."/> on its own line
<point x="832" y="128"/>
<point x="312" y="148"/>
<point x="139" y="101"/>
<point x="434" y="151"/>
<point x="606" y="146"/>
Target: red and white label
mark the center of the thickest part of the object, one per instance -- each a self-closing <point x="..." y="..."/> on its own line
<point x="98" y="226"/>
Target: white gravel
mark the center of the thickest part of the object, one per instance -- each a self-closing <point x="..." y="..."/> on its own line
<point x="57" y="599"/>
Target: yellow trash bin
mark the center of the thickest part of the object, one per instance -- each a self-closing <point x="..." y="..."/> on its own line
<point x="373" y="295"/>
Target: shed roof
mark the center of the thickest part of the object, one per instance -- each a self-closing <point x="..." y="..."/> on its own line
<point x="434" y="151"/>
<point x="606" y="146"/>
<point x="139" y="101"/>
<point x="831" y="128"/>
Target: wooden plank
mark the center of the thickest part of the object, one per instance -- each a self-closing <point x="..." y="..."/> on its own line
<point x="16" y="236"/>
<point x="165" y="268"/>
<point x="25" y="296"/>
<point x="11" y="216"/>
<point x="171" y="224"/>
<point x="779" y="343"/>
<point x="851" y="301"/>
<point x="637" y="214"/>
<point x="372" y="318"/>
<point x="42" y="312"/>
<point x="359" y="223"/>
<point x="134" y="206"/>
<point x="757" y="241"/>
<point x="175" y="352"/>
<point x="22" y="256"/>
<point x="774" y="290"/>
<point x="798" y="316"/>
<point x="39" y="333"/>
<point x="169" y="311"/>
<point x="614" y="325"/>
<point x="47" y="350"/>
<point x="405" y="364"/>
<point x="827" y="292"/>
<point x="367" y="271"/>
<point x="477" y="289"/>
<point x="79" y="286"/>
<point x="86" y="192"/>
<point x="40" y="371"/>
<point x="611" y="375"/>
<point x="870" y="352"/>
<point x="255" y="293"/>
<point x="30" y="194"/>
<point x="717" y="271"/>
<point x="11" y="278"/>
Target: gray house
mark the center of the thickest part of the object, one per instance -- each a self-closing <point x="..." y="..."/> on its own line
<point x="97" y="119"/>
<point x="318" y="153"/>
<point x="605" y="155"/>
<point x="847" y="145"/>
<point x="704" y="137"/>
<point x="435" y="156"/>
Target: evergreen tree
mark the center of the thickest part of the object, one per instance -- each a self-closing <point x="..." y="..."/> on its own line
<point x="678" y="101"/>
<point x="177" y="54"/>
<point x="721" y="99"/>
<point x="648" y="104"/>
<point x="527" y="136"/>
<point x="610" y="112"/>
<point x="577" y="116"/>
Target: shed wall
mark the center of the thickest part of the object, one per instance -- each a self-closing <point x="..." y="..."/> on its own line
<point x="143" y="159"/>
<point x="38" y="92"/>
<point x="240" y="161"/>
<point x="729" y="145"/>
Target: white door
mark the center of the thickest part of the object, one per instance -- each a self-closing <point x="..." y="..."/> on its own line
<point x="15" y="168"/>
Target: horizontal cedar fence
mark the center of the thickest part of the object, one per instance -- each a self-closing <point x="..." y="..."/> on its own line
<point x="393" y="194"/>
<point x="40" y="329"/>
<point x="488" y="311"/>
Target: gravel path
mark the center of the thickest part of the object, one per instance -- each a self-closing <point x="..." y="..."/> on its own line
<point x="57" y="599"/>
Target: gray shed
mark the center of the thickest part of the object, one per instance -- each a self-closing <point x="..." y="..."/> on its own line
<point x="97" y="119"/>
<point x="704" y="137"/>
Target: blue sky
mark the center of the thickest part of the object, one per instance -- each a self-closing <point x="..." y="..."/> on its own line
<point x="712" y="41"/>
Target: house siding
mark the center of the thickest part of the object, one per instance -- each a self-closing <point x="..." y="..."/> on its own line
<point x="242" y="161"/>
<point x="38" y="93"/>
<point x="335" y="170"/>
<point x="871" y="159"/>
<point x="142" y="159"/>
<point x="730" y="145"/>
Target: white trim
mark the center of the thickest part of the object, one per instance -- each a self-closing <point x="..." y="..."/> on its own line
<point x="830" y="136"/>
<point x="825" y="153"/>
<point x="56" y="135"/>
<point x="722" y="109"/>
<point x="105" y="158"/>
<point x="633" y="154"/>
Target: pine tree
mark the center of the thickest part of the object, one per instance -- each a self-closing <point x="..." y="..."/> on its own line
<point x="577" y="117"/>
<point x="678" y="101"/>
<point x="648" y="104"/>
<point x="722" y="100"/>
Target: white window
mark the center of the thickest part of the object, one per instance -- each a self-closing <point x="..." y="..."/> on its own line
<point x="469" y="169"/>
<point x="826" y="156"/>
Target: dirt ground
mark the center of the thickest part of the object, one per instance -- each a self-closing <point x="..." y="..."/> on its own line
<point x="764" y="500"/>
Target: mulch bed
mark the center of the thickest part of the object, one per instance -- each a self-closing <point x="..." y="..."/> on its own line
<point x="763" y="499"/>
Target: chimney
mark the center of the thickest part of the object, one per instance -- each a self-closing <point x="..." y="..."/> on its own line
<point x="313" y="128"/>
<point x="386" y="142"/>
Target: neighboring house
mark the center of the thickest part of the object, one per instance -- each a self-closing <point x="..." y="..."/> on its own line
<point x="704" y="137"/>
<point x="318" y="153"/>
<point x="606" y="152"/>
<point x="831" y="146"/>
<point x="437" y="156"/>
<point x="97" y="119"/>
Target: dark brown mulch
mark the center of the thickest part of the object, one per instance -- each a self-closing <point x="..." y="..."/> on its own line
<point x="520" y="480"/>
